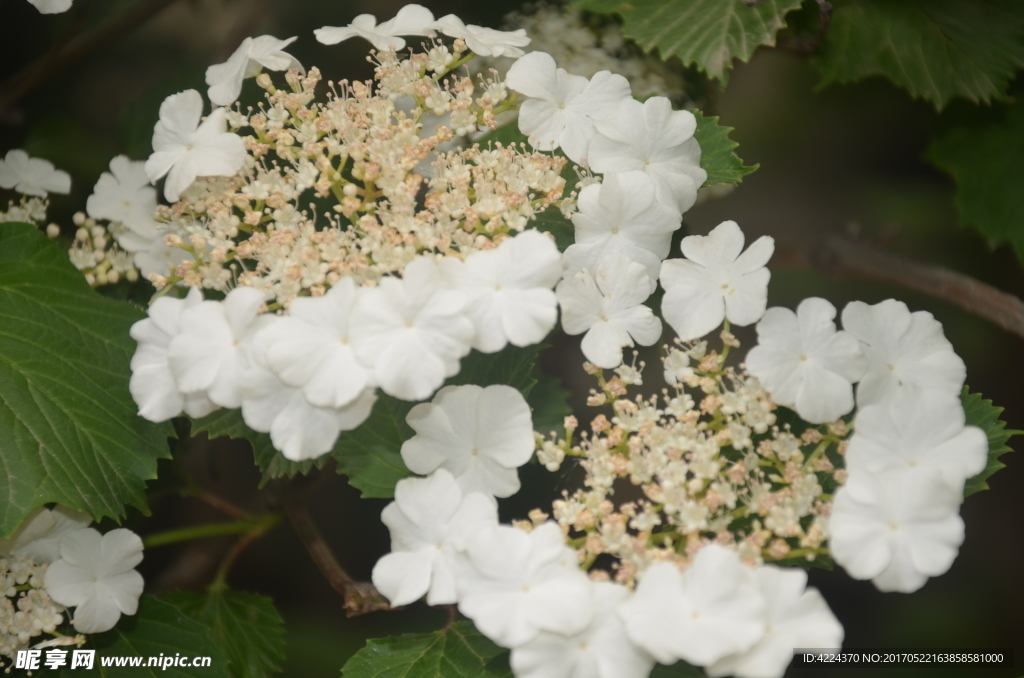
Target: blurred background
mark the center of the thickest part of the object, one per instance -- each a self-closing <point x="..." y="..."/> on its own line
<point x="843" y="160"/>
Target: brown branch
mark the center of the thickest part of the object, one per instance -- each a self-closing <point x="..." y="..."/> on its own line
<point x="842" y="256"/>
<point x="360" y="597"/>
<point x="54" y="62"/>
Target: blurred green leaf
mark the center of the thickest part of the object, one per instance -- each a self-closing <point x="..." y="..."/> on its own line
<point x="159" y="627"/>
<point x="984" y="156"/>
<point x="935" y="49"/>
<point x="707" y="33"/>
<point x="458" y="651"/>
<point x="983" y="414"/>
<point x="245" y="626"/>
<point x="69" y="430"/>
<point x="550" y="403"/>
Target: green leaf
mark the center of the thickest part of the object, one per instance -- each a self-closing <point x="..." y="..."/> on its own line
<point x="935" y="49"/>
<point x="245" y="626"/>
<point x="707" y="33"/>
<point x="718" y="152"/>
<point x="159" y="628"/>
<point x="983" y="414"/>
<point x="69" y="432"/>
<point x="984" y="156"/>
<point x="550" y="403"/>
<point x="229" y="423"/>
<point x="459" y="651"/>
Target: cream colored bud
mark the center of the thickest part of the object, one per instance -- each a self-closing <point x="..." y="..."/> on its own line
<point x="82" y="235"/>
<point x="350" y="190"/>
<point x="79" y="218"/>
<point x="52" y="231"/>
<point x="132" y="275"/>
<point x="113" y="277"/>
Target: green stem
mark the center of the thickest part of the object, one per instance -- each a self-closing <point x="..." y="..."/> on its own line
<point x="209" y="530"/>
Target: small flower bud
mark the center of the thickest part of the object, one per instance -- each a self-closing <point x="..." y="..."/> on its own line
<point x="52" y="231"/>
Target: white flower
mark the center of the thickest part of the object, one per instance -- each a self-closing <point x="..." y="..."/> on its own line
<point x="601" y="650"/>
<point x="297" y="428"/>
<point x="159" y="257"/>
<point x="651" y="137"/>
<point x="479" y="435"/>
<point x="796" y="617"/>
<point x="903" y="350"/>
<point x="918" y="428"/>
<point x="805" y="363"/>
<point x="517" y="584"/>
<point x="623" y="211"/>
<point x="411" y="330"/>
<point x="430" y="521"/>
<point x="124" y="195"/>
<point x="708" y="612"/>
<point x="716" y="282"/>
<point x="484" y="41"/>
<point x="561" y="108"/>
<point x="32" y="176"/>
<point x="410" y="20"/>
<point x="38" y="537"/>
<point x="609" y="307"/>
<point x="579" y="256"/>
<point x="309" y="348"/>
<point x="209" y="353"/>
<point x="509" y="290"/>
<point x="51" y="6"/>
<point x="152" y="384"/>
<point x="185" y="148"/>
<point x="896" y="528"/>
<point x="253" y="55"/>
<point x="96" y="575"/>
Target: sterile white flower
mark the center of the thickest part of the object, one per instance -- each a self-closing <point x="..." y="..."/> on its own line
<point x="578" y="257"/>
<point x="484" y="41"/>
<point x="152" y="384"/>
<point x="609" y="307"/>
<point x="918" y="428"/>
<point x="185" y="147"/>
<point x="623" y="210"/>
<point x="299" y="429"/>
<point x="32" y="176"/>
<point x="309" y="348"/>
<point x="702" y="615"/>
<point x="96" y="575"/>
<point x="124" y="195"/>
<point x="651" y="137"/>
<point x="561" y="108"/>
<point x="411" y="330"/>
<point x="38" y="537"/>
<point x="903" y="350"/>
<point x="896" y="528"/>
<point x="410" y="20"/>
<point x="805" y="363"/>
<point x="715" y="281"/>
<point x="517" y="584"/>
<point x="209" y="353"/>
<point x="253" y="55"/>
<point x="602" y="650"/>
<point x="479" y="435"/>
<point x="430" y="521"/>
<point x="796" y="617"/>
<point x="159" y="257"/>
<point x="51" y="6"/>
<point x="509" y="290"/>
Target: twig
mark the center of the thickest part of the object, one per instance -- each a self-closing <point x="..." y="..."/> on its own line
<point x="842" y="256"/>
<point x="360" y="597"/>
<point x="53" y="62"/>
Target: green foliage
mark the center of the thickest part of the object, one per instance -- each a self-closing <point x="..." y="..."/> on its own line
<point x="550" y="403"/>
<point x="245" y="626"/>
<point x="984" y="156"/>
<point x="159" y="627"/>
<point x="983" y="414"/>
<point x="371" y="455"/>
<point x="935" y="49"/>
<point x="69" y="431"/>
<point x="458" y="651"/>
<point x="718" y="152"/>
<point x="707" y="33"/>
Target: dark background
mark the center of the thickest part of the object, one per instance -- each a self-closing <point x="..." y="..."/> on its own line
<point x="845" y="160"/>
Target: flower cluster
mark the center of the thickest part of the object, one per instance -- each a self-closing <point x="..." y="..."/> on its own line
<point x="53" y="561"/>
<point x="34" y="179"/>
